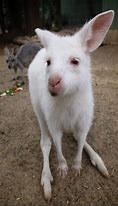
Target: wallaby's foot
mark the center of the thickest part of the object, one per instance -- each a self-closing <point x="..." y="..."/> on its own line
<point x="63" y="168"/>
<point x="99" y="163"/>
<point x="96" y="160"/>
<point x="46" y="180"/>
<point x="17" y="78"/>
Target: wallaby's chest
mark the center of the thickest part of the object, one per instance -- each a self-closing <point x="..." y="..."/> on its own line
<point x="63" y="117"/>
<point x="67" y="120"/>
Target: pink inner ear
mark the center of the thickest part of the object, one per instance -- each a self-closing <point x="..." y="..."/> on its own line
<point x="99" y="29"/>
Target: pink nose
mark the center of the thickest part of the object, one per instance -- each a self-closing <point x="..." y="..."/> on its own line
<point x="54" y="84"/>
<point x="54" y="80"/>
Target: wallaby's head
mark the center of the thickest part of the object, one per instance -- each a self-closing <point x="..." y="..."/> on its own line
<point x="67" y="60"/>
<point x="10" y="57"/>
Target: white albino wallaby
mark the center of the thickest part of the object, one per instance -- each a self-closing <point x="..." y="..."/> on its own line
<point x="61" y="92"/>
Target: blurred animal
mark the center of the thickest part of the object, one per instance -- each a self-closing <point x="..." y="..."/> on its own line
<point x="60" y="86"/>
<point x="22" y="57"/>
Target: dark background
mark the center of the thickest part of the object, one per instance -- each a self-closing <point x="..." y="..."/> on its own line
<point x="23" y="16"/>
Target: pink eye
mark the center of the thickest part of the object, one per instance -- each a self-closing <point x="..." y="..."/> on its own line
<point x="74" y="61"/>
<point x="48" y="62"/>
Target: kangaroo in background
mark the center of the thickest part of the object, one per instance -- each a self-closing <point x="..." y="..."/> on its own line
<point x="60" y="86"/>
<point x="22" y="57"/>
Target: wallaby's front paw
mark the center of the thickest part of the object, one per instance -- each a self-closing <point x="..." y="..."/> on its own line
<point x="63" y="169"/>
<point x="77" y="167"/>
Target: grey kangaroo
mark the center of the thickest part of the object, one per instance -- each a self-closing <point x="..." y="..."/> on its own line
<point x="22" y="57"/>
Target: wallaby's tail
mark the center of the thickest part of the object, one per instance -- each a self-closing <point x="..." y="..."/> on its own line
<point x="96" y="160"/>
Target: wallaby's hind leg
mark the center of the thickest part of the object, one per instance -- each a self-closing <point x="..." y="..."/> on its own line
<point x="94" y="157"/>
<point x="96" y="160"/>
<point x="23" y="74"/>
<point x="45" y="142"/>
<point x="46" y="177"/>
<point x="15" y="70"/>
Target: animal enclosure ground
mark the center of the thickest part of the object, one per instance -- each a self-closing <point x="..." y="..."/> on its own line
<point x="21" y="157"/>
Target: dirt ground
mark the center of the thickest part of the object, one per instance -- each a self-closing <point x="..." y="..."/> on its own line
<point x="21" y="157"/>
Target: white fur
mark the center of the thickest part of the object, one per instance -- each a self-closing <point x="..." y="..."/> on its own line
<point x="72" y="109"/>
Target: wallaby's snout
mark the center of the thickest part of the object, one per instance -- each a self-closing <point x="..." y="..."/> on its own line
<point x="55" y="84"/>
<point x="9" y="66"/>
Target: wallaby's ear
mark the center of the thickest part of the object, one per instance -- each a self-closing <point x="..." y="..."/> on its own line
<point x="93" y="33"/>
<point x="6" y="51"/>
<point x="15" y="51"/>
<point x="12" y="51"/>
<point x="44" y="36"/>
